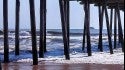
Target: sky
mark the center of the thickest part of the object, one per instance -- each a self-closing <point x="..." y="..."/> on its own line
<point x="53" y="15"/>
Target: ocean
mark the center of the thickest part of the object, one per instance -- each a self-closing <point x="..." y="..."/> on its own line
<point x="59" y="32"/>
<point x="53" y="36"/>
<point x="25" y="35"/>
<point x="54" y="43"/>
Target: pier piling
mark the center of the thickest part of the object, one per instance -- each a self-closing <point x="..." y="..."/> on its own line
<point x="84" y="36"/>
<point x="115" y="29"/>
<point x="5" y="26"/>
<point x="120" y="28"/>
<point x="111" y="19"/>
<point x="87" y="21"/>
<point x="108" y="28"/>
<point x="33" y="32"/>
<point x="41" y="43"/>
<point x="65" y="26"/>
<point x="17" y="27"/>
<point x="101" y="15"/>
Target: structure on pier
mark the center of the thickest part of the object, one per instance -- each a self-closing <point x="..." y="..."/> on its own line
<point x="102" y="5"/>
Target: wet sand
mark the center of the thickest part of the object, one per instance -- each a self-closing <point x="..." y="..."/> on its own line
<point x="55" y="66"/>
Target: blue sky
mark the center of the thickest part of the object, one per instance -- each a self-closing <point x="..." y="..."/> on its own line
<point x="53" y="15"/>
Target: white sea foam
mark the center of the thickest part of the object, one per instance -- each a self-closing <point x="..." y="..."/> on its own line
<point x="97" y="58"/>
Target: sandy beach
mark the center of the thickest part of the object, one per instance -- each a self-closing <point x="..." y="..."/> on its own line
<point x="59" y="66"/>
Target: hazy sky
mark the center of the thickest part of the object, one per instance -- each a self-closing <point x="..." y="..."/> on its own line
<point x="53" y="15"/>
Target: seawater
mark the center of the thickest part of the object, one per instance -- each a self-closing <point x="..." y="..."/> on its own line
<point x="58" y="31"/>
<point x="53" y="36"/>
<point x="54" y="42"/>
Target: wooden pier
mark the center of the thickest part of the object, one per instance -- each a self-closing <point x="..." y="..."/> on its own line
<point x="103" y="5"/>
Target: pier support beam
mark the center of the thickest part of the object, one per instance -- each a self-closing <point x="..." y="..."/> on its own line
<point x="87" y="21"/>
<point x="101" y="15"/>
<point x="33" y="32"/>
<point x="45" y="11"/>
<point x="64" y="11"/>
<point x="111" y="17"/>
<point x="108" y="28"/>
<point x="120" y="27"/>
<point x="0" y="66"/>
<point x="67" y="11"/>
<point x="115" y="28"/>
<point x="5" y="26"/>
<point x="17" y="28"/>
<point x="84" y="36"/>
<point x="42" y="43"/>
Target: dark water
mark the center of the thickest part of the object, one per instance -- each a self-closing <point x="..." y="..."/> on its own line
<point x="54" y="66"/>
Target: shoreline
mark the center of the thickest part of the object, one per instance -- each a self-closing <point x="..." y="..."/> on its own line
<point x="76" y="57"/>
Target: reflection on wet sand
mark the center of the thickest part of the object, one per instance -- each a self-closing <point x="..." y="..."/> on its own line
<point x="35" y="67"/>
<point x="5" y="66"/>
<point x="54" y="66"/>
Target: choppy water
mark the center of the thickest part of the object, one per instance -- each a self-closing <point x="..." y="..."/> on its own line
<point x="53" y="36"/>
<point x="25" y="35"/>
<point x="54" y="43"/>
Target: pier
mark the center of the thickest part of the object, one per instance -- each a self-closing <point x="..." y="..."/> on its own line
<point x="115" y="7"/>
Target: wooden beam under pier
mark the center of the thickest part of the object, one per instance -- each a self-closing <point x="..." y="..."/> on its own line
<point x="101" y="15"/>
<point x="108" y="29"/>
<point x="42" y="42"/>
<point x="5" y="26"/>
<point x="84" y="36"/>
<point x="111" y="19"/>
<point x="65" y="27"/>
<point x="115" y="28"/>
<point x="45" y="11"/>
<point x="120" y="27"/>
<point x="33" y="32"/>
<point x="0" y="66"/>
<point x="110" y="3"/>
<point x="17" y="27"/>
<point x="67" y="11"/>
<point x="87" y="21"/>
